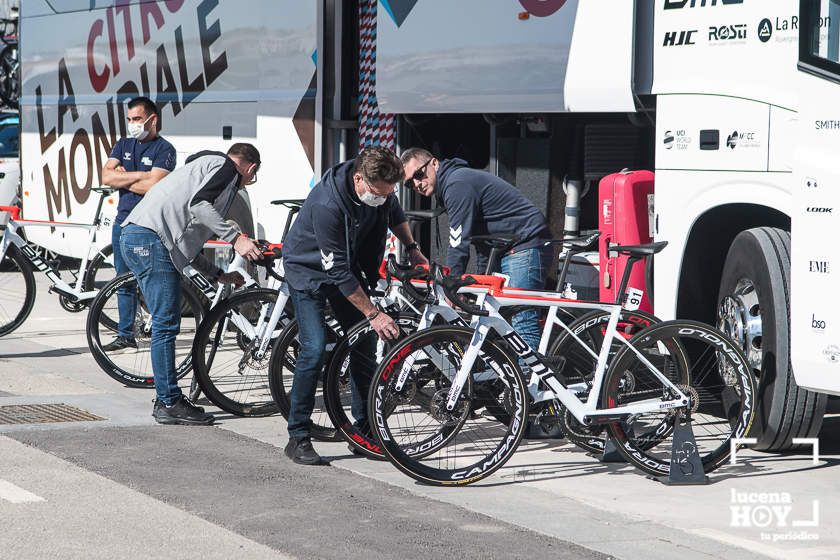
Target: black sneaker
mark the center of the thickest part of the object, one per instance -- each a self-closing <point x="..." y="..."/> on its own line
<point x="120" y="343"/>
<point x="300" y="451"/>
<point x="159" y="405"/>
<point x="182" y="412"/>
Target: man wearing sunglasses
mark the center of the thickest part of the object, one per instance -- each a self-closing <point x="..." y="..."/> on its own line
<point x="332" y="254"/>
<point x="478" y="202"/>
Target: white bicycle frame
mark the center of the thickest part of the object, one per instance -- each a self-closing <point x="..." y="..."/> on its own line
<point x="214" y="292"/>
<point x="11" y="237"/>
<point x="583" y="411"/>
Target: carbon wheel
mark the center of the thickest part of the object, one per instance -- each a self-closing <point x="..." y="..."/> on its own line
<point x="133" y="366"/>
<point x="231" y="370"/>
<point x="428" y="438"/>
<point x="349" y="372"/>
<point x="579" y="364"/>
<point x="707" y="367"/>
<point x="17" y="290"/>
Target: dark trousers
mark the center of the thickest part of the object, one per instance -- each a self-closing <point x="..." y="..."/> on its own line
<point x="310" y="312"/>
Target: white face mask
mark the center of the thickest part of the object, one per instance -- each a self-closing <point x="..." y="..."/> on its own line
<point x="137" y="130"/>
<point x="371" y="199"/>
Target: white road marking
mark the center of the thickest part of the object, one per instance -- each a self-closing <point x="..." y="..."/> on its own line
<point x="16" y="494"/>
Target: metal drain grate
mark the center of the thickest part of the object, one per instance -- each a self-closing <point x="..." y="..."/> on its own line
<point x="44" y="414"/>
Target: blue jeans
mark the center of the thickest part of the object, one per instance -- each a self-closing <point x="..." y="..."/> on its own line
<point x="160" y="284"/>
<point x="126" y="302"/>
<point x="526" y="269"/>
<point x="310" y="312"/>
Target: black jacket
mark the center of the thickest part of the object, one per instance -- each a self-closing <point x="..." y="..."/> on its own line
<point x="336" y="237"/>
<point x="481" y="203"/>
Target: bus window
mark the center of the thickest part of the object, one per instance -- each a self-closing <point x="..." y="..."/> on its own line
<point x="819" y="37"/>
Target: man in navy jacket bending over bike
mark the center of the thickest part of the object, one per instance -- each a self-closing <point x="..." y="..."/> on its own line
<point x="478" y="202"/>
<point x="338" y="237"/>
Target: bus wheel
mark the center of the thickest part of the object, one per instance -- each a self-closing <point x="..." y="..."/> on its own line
<point x="754" y="309"/>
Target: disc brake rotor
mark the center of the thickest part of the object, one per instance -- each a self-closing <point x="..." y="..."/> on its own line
<point x="438" y="411"/>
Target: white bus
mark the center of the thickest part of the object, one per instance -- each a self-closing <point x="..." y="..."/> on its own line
<point x="733" y="104"/>
<point x="220" y="72"/>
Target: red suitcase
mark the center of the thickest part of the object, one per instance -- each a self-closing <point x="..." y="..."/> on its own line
<point x="625" y="202"/>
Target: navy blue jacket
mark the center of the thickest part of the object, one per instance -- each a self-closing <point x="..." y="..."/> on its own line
<point x="479" y="203"/>
<point x="134" y="155"/>
<point x="336" y="237"/>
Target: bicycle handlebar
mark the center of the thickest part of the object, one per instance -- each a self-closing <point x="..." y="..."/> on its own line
<point x="405" y="274"/>
<point x="270" y="251"/>
<point x="451" y="285"/>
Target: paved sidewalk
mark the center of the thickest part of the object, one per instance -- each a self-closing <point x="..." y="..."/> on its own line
<point x="548" y="487"/>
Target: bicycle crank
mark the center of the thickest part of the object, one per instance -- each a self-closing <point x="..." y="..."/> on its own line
<point x="70" y="305"/>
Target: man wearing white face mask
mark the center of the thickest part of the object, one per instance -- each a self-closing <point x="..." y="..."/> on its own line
<point x="338" y="237"/>
<point x="136" y="163"/>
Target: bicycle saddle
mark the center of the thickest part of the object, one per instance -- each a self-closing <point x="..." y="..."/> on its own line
<point x="639" y="250"/>
<point x="502" y="241"/>
<point x="289" y="202"/>
<point x="580" y="242"/>
<point x="423" y="215"/>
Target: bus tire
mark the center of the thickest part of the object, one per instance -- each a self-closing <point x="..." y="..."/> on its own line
<point x="754" y="309"/>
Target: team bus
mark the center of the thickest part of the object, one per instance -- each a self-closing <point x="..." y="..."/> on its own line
<point x="733" y="104"/>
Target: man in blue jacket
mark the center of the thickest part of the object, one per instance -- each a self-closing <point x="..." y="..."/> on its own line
<point x="136" y="163"/>
<point x="478" y="202"/>
<point x="332" y="253"/>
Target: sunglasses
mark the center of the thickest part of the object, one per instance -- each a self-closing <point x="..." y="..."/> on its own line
<point x="418" y="175"/>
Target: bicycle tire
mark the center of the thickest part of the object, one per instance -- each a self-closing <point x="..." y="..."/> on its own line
<point x="405" y="445"/>
<point x="135" y="370"/>
<point x="337" y="389"/>
<point x="243" y="388"/>
<point x="580" y="366"/>
<point x="17" y="287"/>
<point x="96" y="265"/>
<point x="281" y="376"/>
<point x="95" y="275"/>
<point x="716" y="377"/>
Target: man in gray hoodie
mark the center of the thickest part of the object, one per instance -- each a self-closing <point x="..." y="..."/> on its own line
<point x="164" y="233"/>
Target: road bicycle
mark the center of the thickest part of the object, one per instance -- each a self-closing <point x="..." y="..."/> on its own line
<point x="18" y="259"/>
<point x="352" y="358"/>
<point x="670" y="375"/>
<point x="199" y="295"/>
<point x="9" y="63"/>
<point x="390" y="297"/>
<point x="132" y="366"/>
<point x="233" y="345"/>
<point x="358" y="345"/>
